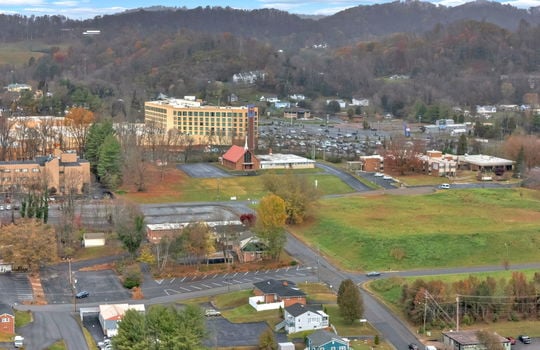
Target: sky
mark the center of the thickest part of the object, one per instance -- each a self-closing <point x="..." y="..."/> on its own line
<point x="83" y="9"/>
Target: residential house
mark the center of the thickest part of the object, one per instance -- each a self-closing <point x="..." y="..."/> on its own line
<point x="468" y="340"/>
<point x="5" y="266"/>
<point x="93" y="239"/>
<point x="300" y="317"/>
<point x="325" y="340"/>
<point x="273" y="294"/>
<point x="240" y="158"/>
<point x="486" y="109"/>
<point x="297" y="97"/>
<point x="342" y="103"/>
<point x="111" y="314"/>
<point x="358" y="101"/>
<point x="282" y="104"/>
<point x="269" y="98"/>
<point x="248" y="77"/>
<point x="7" y="319"/>
<point x="16" y="87"/>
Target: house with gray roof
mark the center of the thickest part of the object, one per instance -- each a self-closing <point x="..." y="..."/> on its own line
<point x="325" y="340"/>
<point x="300" y="317"/>
<point x="273" y="294"/>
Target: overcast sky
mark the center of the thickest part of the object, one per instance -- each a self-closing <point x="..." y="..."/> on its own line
<point x="82" y="9"/>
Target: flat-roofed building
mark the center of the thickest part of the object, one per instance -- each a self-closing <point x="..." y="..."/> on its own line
<point x="284" y="161"/>
<point x="62" y="171"/>
<point x="225" y="125"/>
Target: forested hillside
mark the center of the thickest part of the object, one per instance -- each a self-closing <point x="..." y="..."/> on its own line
<point x="440" y="57"/>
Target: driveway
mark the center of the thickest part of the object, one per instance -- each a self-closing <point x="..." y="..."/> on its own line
<point x="202" y="170"/>
<point x="345" y="177"/>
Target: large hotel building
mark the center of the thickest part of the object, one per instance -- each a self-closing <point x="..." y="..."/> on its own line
<point x="206" y="124"/>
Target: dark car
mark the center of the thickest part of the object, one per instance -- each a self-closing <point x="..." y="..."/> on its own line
<point x="373" y="274"/>
<point x="413" y="346"/>
<point x="512" y="340"/>
<point x="82" y="294"/>
<point x="525" y="339"/>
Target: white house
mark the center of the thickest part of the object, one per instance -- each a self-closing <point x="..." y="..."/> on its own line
<point x="486" y="109"/>
<point x="299" y="317"/>
<point x="342" y="103"/>
<point x="358" y="101"/>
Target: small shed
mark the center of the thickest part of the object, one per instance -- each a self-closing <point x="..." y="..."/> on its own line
<point x="286" y="346"/>
<point x="94" y="239"/>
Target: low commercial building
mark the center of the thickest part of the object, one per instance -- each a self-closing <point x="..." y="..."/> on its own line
<point x="374" y="163"/>
<point x="284" y="161"/>
<point x="468" y="340"/>
<point x="93" y="239"/>
<point x="111" y="314"/>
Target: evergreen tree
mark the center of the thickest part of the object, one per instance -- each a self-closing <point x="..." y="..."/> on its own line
<point x="349" y="301"/>
<point x="109" y="167"/>
<point x="96" y="136"/>
<point x="519" y="168"/>
<point x="462" y="145"/>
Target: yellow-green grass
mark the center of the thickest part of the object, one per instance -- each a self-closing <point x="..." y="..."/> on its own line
<point x="232" y="300"/>
<point x="22" y="318"/>
<point x="368" y="345"/>
<point x="5" y="337"/>
<point x="345" y="329"/>
<point x="17" y="54"/>
<point x="447" y="228"/>
<point x="59" y="345"/>
<point x="318" y="293"/>
<point x="246" y="313"/>
<point x="241" y="187"/>
<point x="98" y="252"/>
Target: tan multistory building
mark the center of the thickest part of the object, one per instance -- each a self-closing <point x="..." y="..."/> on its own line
<point x="62" y="171"/>
<point x="223" y="125"/>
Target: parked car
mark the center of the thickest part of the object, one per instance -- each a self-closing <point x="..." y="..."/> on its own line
<point x="525" y="339"/>
<point x="388" y="177"/>
<point x="444" y="186"/>
<point x="413" y="346"/>
<point x="211" y="312"/>
<point x="378" y="174"/>
<point x="82" y="294"/>
<point x="373" y="274"/>
<point x="512" y="340"/>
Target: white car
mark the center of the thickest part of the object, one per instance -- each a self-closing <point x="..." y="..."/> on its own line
<point x="378" y="174"/>
<point x="388" y="177"/>
<point x="211" y="312"/>
<point x="444" y="186"/>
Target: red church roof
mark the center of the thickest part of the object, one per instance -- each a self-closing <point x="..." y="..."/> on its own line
<point x="234" y="153"/>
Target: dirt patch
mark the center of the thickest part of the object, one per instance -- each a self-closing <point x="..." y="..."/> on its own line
<point x="100" y="267"/>
<point x="37" y="290"/>
<point x="158" y="181"/>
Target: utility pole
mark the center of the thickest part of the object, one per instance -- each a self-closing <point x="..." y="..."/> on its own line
<point x="457" y="313"/>
<point x="425" y="310"/>
<point x="318" y="264"/>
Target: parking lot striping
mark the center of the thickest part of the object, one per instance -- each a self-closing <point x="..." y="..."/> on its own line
<point x="172" y="280"/>
<point x="215" y="275"/>
<point x="194" y="277"/>
<point x="256" y="272"/>
<point x="159" y="281"/>
<point x="204" y="276"/>
<point x="246" y="273"/>
<point x="216" y="284"/>
<point x="187" y="290"/>
<point x="267" y="271"/>
<point x="258" y="278"/>
<point x="237" y="281"/>
<point x="167" y="291"/>
<point x="206" y="286"/>
<point x="225" y="275"/>
<point x="227" y="282"/>
<point x="235" y="274"/>
<point x="198" y="288"/>
<point x="182" y="280"/>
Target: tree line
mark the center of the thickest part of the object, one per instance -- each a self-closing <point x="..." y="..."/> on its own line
<point x="480" y="300"/>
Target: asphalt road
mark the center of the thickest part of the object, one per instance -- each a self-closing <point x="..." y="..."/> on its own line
<point x="345" y="177"/>
<point x="50" y="326"/>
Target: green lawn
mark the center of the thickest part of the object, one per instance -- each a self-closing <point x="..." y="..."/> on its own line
<point x="446" y="228"/>
<point x="22" y="318"/>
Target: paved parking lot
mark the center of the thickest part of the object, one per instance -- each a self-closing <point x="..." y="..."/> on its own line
<point x="155" y="288"/>
<point x="15" y="288"/>
<point x="103" y="286"/>
<point x="202" y="170"/>
<point x="226" y="334"/>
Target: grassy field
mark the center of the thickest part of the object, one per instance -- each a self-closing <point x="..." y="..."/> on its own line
<point x="175" y="186"/>
<point x="447" y="228"/>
